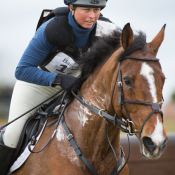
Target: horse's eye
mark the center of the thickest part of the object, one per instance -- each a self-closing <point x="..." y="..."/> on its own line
<point x="127" y="82"/>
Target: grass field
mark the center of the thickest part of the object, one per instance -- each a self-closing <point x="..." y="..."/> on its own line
<point x="169" y="124"/>
<point x="3" y="120"/>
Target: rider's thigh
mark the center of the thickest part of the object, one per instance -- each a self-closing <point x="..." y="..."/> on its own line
<point x="25" y="96"/>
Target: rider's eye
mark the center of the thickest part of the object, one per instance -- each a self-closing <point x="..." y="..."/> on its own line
<point x="85" y="9"/>
<point x="127" y="82"/>
<point x="97" y="10"/>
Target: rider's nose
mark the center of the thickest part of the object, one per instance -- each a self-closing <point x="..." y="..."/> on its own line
<point x="91" y="14"/>
<point x="149" y="144"/>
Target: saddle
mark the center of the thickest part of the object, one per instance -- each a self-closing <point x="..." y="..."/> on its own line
<point x="34" y="125"/>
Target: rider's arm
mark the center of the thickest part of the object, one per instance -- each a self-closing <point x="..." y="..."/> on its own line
<point x="34" y="54"/>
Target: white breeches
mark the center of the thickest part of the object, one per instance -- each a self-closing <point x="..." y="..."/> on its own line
<point x="25" y="96"/>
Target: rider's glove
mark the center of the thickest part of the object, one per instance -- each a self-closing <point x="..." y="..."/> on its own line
<point x="68" y="82"/>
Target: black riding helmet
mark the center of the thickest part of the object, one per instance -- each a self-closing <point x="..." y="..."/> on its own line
<point x="87" y="3"/>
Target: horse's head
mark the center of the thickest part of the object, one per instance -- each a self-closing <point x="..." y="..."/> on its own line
<point x="140" y="81"/>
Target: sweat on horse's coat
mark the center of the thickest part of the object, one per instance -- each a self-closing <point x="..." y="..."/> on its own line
<point x="100" y="67"/>
<point x="82" y="117"/>
<point x="60" y="133"/>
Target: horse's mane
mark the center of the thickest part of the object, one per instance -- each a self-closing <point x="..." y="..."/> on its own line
<point x="104" y="47"/>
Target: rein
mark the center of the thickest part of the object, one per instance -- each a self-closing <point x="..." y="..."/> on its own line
<point x="122" y="101"/>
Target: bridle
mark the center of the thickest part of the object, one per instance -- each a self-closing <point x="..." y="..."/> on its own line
<point x="122" y="101"/>
<point x="125" y="122"/>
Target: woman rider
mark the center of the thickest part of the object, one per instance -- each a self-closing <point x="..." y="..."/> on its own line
<point x="49" y="63"/>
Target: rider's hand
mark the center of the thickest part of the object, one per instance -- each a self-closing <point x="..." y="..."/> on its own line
<point x="68" y="82"/>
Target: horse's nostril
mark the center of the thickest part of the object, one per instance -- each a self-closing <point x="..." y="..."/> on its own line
<point x="162" y="146"/>
<point x="149" y="144"/>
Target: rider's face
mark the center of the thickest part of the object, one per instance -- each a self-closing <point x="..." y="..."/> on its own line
<point x="86" y="16"/>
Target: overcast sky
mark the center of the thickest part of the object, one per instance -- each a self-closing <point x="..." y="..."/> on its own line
<point x="18" y="20"/>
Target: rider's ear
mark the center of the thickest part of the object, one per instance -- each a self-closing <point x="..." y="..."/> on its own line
<point x="71" y="7"/>
<point x="157" y="41"/>
<point x="127" y="37"/>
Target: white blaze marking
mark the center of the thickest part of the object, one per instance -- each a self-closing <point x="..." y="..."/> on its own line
<point x="60" y="133"/>
<point x="157" y="136"/>
<point x="147" y="72"/>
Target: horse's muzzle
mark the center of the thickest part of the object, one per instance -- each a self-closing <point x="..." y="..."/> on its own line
<point x="151" y="150"/>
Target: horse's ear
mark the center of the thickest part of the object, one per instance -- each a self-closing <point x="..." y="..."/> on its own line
<point x="127" y="37"/>
<point x="157" y="41"/>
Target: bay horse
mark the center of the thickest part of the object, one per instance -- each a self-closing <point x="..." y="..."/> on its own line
<point x="121" y="76"/>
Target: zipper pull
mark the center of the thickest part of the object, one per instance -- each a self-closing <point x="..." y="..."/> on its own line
<point x="81" y="54"/>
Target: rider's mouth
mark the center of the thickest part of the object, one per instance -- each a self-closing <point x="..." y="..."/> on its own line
<point x="90" y="22"/>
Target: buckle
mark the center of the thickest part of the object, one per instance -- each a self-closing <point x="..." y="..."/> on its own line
<point x="119" y="84"/>
<point x="70" y="136"/>
<point x="130" y="128"/>
<point x="33" y="141"/>
<point x="156" y="107"/>
<point x="101" y="110"/>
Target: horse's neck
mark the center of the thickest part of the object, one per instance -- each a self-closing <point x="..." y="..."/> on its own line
<point x="87" y="127"/>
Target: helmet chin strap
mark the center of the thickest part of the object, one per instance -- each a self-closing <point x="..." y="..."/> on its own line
<point x="73" y="10"/>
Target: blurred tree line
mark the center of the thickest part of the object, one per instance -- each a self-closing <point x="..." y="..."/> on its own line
<point x="5" y="98"/>
<point x="173" y="96"/>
